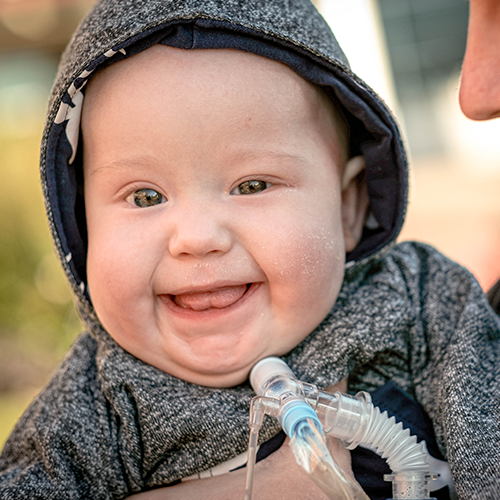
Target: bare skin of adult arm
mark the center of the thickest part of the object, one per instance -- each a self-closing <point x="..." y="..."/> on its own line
<point x="277" y="476"/>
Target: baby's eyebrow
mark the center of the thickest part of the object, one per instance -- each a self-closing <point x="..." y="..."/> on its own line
<point x="135" y="162"/>
<point x="146" y="161"/>
<point x="273" y="154"/>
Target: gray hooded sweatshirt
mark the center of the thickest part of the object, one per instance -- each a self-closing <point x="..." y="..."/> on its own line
<point x="108" y="425"/>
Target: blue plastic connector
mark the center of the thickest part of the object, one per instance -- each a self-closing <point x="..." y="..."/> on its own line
<point x="295" y="412"/>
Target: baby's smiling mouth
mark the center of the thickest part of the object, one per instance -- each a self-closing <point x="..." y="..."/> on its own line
<point x="219" y="298"/>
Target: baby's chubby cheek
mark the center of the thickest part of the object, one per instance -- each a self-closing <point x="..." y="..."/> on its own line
<point x="118" y="289"/>
<point x="310" y="267"/>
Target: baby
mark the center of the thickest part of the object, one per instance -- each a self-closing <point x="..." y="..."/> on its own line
<point x="222" y="188"/>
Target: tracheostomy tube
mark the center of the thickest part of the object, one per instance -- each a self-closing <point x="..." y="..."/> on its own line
<point x="352" y="419"/>
<point x="296" y="417"/>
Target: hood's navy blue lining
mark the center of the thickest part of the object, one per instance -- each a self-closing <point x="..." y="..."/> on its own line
<point x="63" y="188"/>
<point x="372" y="131"/>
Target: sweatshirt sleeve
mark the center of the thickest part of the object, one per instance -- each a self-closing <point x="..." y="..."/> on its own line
<point x="62" y="447"/>
<point x="457" y="370"/>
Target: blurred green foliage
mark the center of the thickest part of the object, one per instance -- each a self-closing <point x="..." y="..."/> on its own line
<point x="37" y="317"/>
<point x="12" y="407"/>
<point x="35" y="303"/>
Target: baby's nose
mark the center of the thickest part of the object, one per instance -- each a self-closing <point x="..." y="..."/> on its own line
<point x="200" y="231"/>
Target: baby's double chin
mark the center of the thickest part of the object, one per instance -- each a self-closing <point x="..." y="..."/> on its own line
<point x="218" y="298"/>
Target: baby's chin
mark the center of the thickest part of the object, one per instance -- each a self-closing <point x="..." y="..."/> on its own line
<point x="216" y="378"/>
<point x="206" y="371"/>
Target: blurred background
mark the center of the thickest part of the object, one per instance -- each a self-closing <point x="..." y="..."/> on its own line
<point x="408" y="50"/>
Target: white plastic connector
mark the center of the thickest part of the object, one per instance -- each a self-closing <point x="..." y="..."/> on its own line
<point x="410" y="485"/>
<point x="265" y="370"/>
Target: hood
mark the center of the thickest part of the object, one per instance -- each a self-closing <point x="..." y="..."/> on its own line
<point x="291" y="32"/>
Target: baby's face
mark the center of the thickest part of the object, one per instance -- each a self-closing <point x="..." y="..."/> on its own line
<point x="214" y="209"/>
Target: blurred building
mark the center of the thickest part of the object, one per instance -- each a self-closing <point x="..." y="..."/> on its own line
<point x="426" y="42"/>
<point x="456" y="162"/>
<point x="410" y="52"/>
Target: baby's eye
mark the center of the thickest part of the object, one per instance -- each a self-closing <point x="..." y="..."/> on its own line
<point x="251" y="187"/>
<point x="146" y="197"/>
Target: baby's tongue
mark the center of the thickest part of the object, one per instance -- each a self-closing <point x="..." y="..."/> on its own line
<point x="223" y="297"/>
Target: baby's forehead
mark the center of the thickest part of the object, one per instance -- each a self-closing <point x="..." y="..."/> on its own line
<point x="195" y="77"/>
<point x="197" y="70"/>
